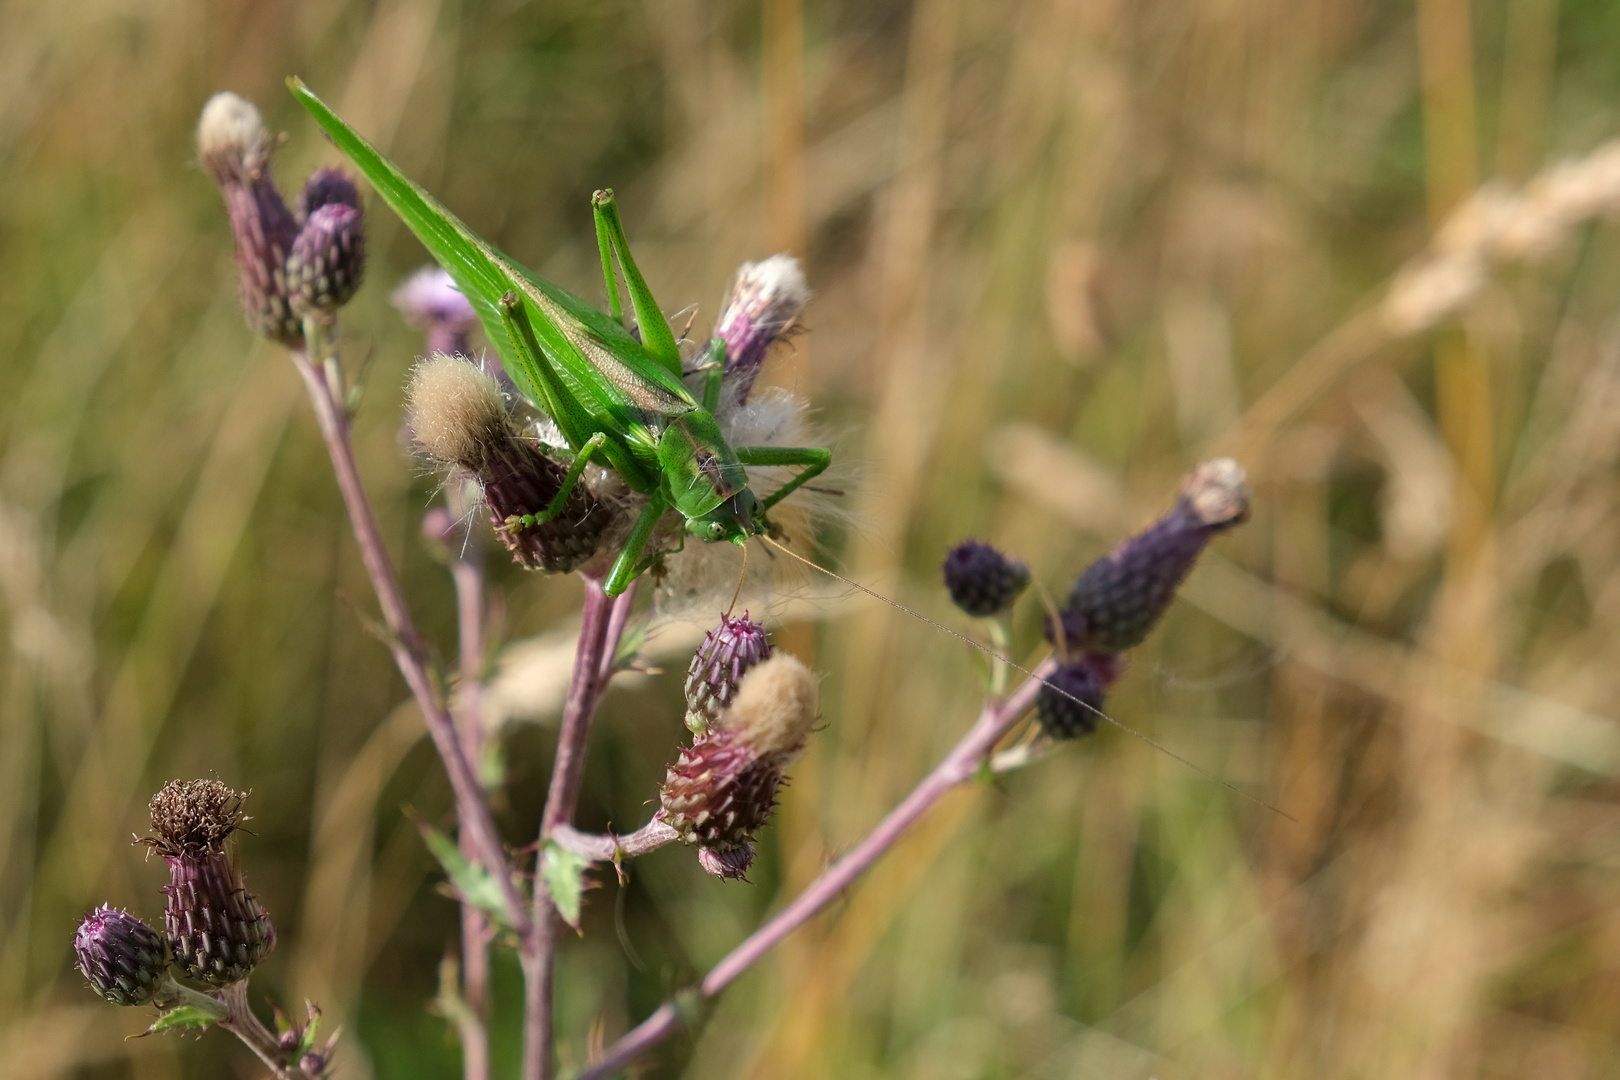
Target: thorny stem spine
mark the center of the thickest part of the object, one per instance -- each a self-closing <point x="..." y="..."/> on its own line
<point x="603" y="623"/>
<point x="960" y="765"/>
<point x="405" y="643"/>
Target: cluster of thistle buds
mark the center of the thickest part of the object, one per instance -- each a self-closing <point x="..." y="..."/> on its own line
<point x="293" y="263"/>
<point x="750" y="710"/>
<point x="214" y="930"/>
<point x="1115" y="602"/>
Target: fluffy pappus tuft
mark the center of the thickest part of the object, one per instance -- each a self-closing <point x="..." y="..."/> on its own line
<point x="457" y="413"/>
<point x="1217" y="492"/>
<point x="232" y="142"/>
<point x="777" y="703"/>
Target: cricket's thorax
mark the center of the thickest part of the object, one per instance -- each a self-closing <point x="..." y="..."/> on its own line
<point x="699" y="467"/>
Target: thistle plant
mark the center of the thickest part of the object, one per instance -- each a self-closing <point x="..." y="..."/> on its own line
<point x="214" y="934"/>
<point x="596" y="445"/>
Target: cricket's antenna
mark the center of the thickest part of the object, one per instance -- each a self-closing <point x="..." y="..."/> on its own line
<point x="742" y="577"/>
<point x="1049" y="684"/>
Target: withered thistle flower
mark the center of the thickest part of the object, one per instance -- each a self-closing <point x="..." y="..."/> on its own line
<point x="765" y="299"/>
<point x="234" y="147"/>
<point x="216" y="929"/>
<point x="981" y="580"/>
<point x="328" y="258"/>
<point x="124" y="958"/>
<point x="458" y="416"/>
<point x="430" y="302"/>
<point x="728" y="652"/>
<point x="1119" y="598"/>
<point x="722" y="788"/>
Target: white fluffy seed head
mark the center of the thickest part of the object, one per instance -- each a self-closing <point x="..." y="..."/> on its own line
<point x="777" y="704"/>
<point x="457" y="412"/>
<point x="1218" y="491"/>
<point x="232" y="142"/>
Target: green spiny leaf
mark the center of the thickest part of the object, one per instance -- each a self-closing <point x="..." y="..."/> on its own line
<point x="471" y="881"/>
<point x="563" y="874"/>
<point x="181" y="1018"/>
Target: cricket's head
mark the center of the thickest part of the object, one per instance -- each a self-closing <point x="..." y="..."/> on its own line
<point x="732" y="520"/>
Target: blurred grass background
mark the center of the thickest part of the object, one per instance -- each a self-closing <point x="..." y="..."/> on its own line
<point x="1062" y="249"/>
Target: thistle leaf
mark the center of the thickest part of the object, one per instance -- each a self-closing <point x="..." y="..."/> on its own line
<point x="563" y="874"/>
<point x="179" y="1019"/>
<point x="472" y="882"/>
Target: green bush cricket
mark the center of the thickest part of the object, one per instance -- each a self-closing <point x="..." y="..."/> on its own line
<point x="612" y="396"/>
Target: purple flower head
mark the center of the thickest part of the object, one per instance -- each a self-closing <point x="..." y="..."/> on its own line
<point x="1119" y="598"/>
<point x="326" y="187"/>
<point x="234" y="148"/>
<point x="765" y="299"/>
<point x="982" y="581"/>
<point x="124" y="958"/>
<point x="216" y="929"/>
<point x="1068" y="704"/>
<point x="726" y="655"/>
<point x="431" y="303"/>
<point x="328" y="259"/>
<point x="722" y="789"/>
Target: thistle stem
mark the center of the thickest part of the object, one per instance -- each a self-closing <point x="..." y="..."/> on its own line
<point x="962" y="764"/>
<point x="239" y="1020"/>
<point x="405" y="643"/>
<point x="467" y="571"/>
<point x="606" y="847"/>
<point x="603" y="624"/>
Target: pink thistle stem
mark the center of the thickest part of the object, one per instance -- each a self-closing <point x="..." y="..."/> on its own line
<point x="603" y="625"/>
<point x="404" y="641"/>
<point x="962" y="764"/>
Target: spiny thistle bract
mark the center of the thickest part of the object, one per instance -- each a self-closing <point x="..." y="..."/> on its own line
<point x="216" y="929"/>
<point x="123" y="957"/>
<point x="1119" y="598"/>
<point x="981" y="580"/>
<point x="718" y="666"/>
<point x="722" y="788"/>
<point x="458" y="416"/>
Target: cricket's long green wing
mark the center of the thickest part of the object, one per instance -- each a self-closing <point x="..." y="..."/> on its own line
<point x="573" y="334"/>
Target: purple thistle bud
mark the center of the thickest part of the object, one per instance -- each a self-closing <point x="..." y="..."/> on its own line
<point x="328" y="259"/>
<point x="430" y="302"/>
<point x="234" y="147"/>
<point x="722" y="789"/>
<point x="326" y="187"/>
<point x="1119" y="598"/>
<point x="458" y="416"/>
<point x="216" y="929"/>
<point x="727" y="653"/>
<point x="765" y="299"/>
<point x="982" y="581"/>
<point x="1060" y="714"/>
<point x="124" y="958"/>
